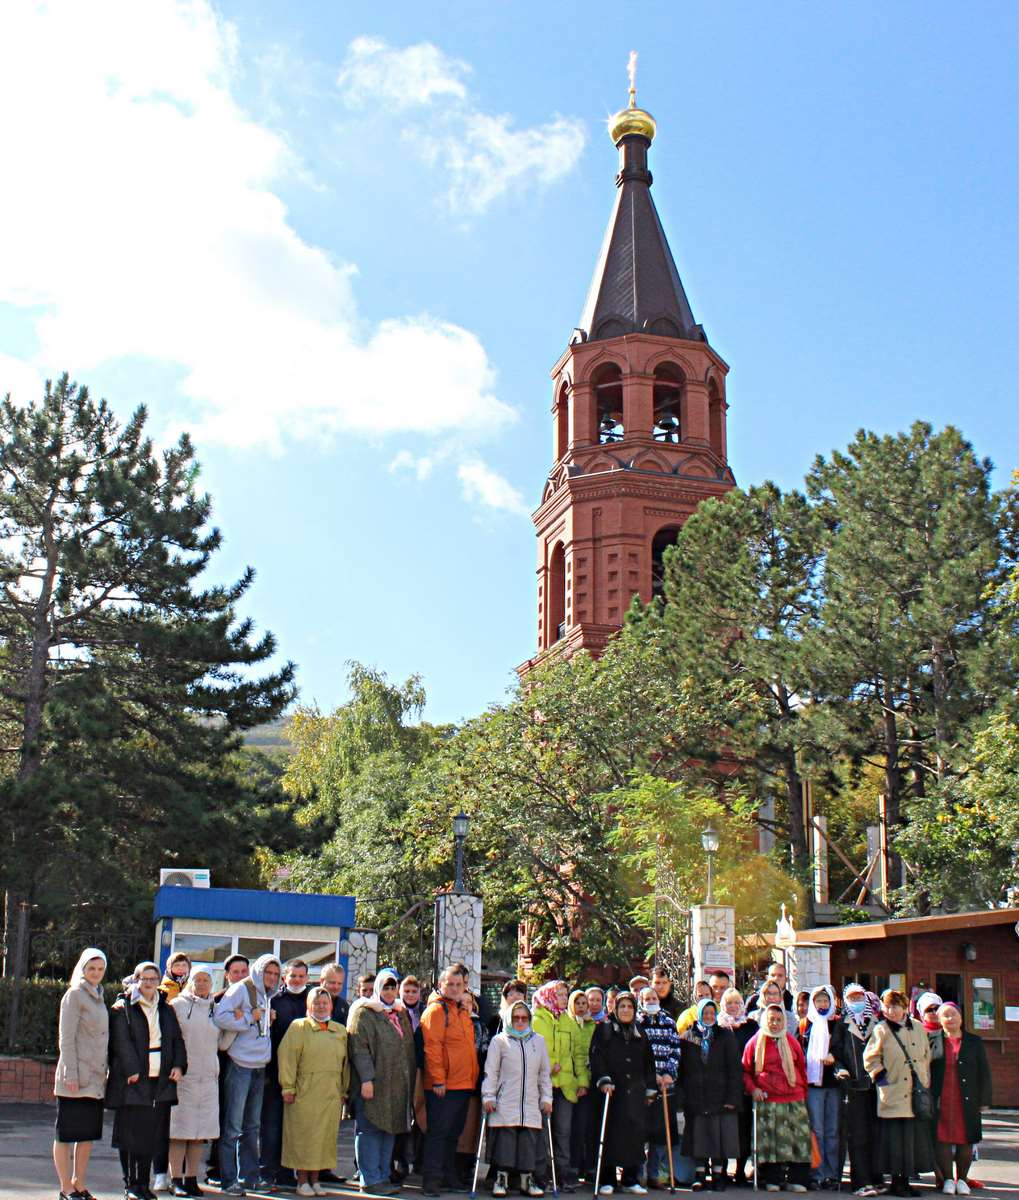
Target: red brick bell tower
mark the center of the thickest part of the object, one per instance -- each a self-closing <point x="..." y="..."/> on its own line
<point x="638" y="422"/>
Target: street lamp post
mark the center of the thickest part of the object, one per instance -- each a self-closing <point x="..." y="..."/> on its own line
<point x="460" y="823"/>
<point x="709" y="840"/>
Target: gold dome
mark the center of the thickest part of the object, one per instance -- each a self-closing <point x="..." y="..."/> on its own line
<point x="632" y="120"/>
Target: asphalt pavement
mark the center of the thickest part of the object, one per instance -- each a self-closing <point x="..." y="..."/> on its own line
<point x="26" y="1163"/>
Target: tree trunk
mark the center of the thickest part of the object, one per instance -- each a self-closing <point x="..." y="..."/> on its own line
<point x="893" y="787"/>
<point x="800" y="858"/>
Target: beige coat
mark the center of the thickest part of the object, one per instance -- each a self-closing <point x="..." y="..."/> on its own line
<point x="882" y="1053"/>
<point x="84" y="1034"/>
<point x="313" y="1065"/>
<point x="195" y="1117"/>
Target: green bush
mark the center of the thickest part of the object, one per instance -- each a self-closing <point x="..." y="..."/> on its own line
<point x="38" y="1014"/>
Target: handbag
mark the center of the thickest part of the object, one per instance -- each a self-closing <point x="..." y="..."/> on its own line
<point x="815" y="1151"/>
<point x="923" y="1101"/>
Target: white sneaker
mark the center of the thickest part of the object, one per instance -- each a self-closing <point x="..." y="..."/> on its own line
<point x="606" y="1189"/>
<point x="635" y="1189"/>
<point x="948" y="1187"/>
<point x="319" y="1190"/>
<point x="305" y="1189"/>
<point x="500" y="1187"/>
<point x="961" y="1187"/>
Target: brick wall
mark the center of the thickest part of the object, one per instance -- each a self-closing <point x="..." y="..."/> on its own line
<point x="920" y="957"/>
<point x="26" y="1080"/>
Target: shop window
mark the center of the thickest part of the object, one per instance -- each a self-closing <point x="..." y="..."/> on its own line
<point x="253" y="948"/>
<point x="315" y="954"/>
<point x="984" y="1011"/>
<point x="206" y="948"/>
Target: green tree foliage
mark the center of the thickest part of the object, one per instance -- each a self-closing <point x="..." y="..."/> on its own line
<point x="961" y="842"/>
<point x="914" y="557"/>
<point x="123" y="682"/>
<point x="741" y="591"/>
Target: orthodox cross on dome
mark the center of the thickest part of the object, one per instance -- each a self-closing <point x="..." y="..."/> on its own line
<point x="631" y="71"/>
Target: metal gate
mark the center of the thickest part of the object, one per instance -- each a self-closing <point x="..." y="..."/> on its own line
<point x="671" y="947"/>
<point x="405" y="927"/>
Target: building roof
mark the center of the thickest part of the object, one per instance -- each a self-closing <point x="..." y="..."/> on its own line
<point x="636" y="286"/>
<point x="248" y="904"/>
<point x="906" y="926"/>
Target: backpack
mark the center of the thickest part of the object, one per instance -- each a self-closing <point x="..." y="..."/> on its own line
<point x="228" y="1036"/>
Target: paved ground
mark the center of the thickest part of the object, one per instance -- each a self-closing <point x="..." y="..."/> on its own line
<point x="26" y="1167"/>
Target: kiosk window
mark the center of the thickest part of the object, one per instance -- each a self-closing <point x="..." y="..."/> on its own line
<point x="983" y="1010"/>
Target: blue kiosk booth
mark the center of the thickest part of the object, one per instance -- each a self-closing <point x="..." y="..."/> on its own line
<point x="209" y="924"/>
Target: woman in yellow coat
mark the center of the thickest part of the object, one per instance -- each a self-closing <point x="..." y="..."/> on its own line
<point x="314" y="1076"/>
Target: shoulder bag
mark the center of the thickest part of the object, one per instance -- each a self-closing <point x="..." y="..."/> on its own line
<point x="923" y="1101"/>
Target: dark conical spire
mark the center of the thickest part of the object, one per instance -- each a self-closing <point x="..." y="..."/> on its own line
<point x="636" y="287"/>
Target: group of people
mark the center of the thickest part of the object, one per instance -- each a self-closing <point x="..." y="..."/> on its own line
<point x="619" y="1088"/>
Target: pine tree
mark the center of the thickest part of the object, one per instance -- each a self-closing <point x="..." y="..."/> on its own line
<point x="914" y="559"/>
<point x="122" y="681"/>
<point x="740" y="585"/>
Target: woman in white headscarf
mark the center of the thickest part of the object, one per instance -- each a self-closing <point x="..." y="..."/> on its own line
<point x="195" y="1119"/>
<point x="823" y="1092"/>
<point x="80" y="1082"/>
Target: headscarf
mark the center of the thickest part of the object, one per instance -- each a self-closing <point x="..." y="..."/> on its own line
<point x="867" y="1014"/>
<point x="571" y="1006"/>
<point x="508" y="1023"/>
<point x="626" y="1029"/>
<point x="396" y="1006"/>
<point x="724" y="1019"/>
<point x="782" y="1040"/>
<point x="819" y="1039"/>
<point x="189" y="987"/>
<point x="132" y="985"/>
<point x="78" y="974"/>
<point x="924" y="1002"/>
<point x="707" y="1032"/>
<point x="545" y="997"/>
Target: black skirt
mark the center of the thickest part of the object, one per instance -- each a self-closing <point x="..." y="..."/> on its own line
<point x="79" y="1119"/>
<point x="142" y="1128"/>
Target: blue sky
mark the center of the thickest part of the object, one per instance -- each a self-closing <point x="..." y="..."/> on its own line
<point x="344" y="246"/>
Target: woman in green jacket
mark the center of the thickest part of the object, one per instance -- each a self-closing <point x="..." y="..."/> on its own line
<point x="582" y="1153"/>
<point x="570" y="1073"/>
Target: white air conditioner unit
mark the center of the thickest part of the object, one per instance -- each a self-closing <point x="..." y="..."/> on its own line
<point x="184" y="877"/>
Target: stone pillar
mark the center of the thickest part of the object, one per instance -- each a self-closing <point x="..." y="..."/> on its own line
<point x="807" y="964"/>
<point x="361" y="946"/>
<point x="458" y="934"/>
<point x="713" y="940"/>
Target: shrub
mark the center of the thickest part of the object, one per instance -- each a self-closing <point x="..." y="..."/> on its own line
<point x="38" y="1014"/>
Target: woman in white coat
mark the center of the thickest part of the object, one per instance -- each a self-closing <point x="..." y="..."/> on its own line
<point x="80" y="1082"/>
<point x="516" y="1091"/>
<point x="195" y="1118"/>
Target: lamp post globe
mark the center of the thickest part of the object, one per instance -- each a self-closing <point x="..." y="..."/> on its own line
<point x="710" y="841"/>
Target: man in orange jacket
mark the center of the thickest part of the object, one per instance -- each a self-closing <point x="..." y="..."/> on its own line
<point x="451" y="1075"/>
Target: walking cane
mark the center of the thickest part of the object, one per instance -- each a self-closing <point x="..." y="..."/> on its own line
<point x="668" y="1138"/>
<point x="477" y="1157"/>
<point x="753" y="1140"/>
<point x="601" y="1141"/>
<point x="551" y="1155"/>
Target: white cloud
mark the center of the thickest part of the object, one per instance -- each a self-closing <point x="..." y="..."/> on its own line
<point x="139" y="216"/>
<point x="481" y="485"/>
<point x="421" y="465"/>
<point x="374" y="70"/>
<point x="480" y="153"/>
<point x="19" y="378"/>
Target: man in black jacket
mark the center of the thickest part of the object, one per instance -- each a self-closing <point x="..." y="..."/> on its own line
<point x="287" y="1006"/>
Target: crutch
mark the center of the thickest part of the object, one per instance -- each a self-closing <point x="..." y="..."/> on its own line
<point x="601" y="1142"/>
<point x="753" y="1140"/>
<point x="668" y="1137"/>
<point x="551" y="1154"/>
<point x="477" y="1157"/>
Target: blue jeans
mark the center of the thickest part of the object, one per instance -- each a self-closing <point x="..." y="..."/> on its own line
<point x="823" y="1106"/>
<point x="683" y="1169"/>
<point x="373" y="1147"/>
<point x="242" y="1115"/>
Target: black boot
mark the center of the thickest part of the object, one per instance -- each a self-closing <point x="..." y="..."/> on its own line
<point x="177" y="1187"/>
<point x="191" y="1187"/>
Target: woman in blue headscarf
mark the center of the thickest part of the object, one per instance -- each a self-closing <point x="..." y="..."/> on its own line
<point x="712" y="1083"/>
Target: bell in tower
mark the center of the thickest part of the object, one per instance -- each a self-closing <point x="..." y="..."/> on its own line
<point x="638" y="421"/>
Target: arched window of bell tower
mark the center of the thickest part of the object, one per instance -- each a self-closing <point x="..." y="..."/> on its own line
<point x="662" y="540"/>
<point x="607" y="384"/>
<point x="562" y="421"/>
<point x="668" y="388"/>
<point x="557" y="595"/>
